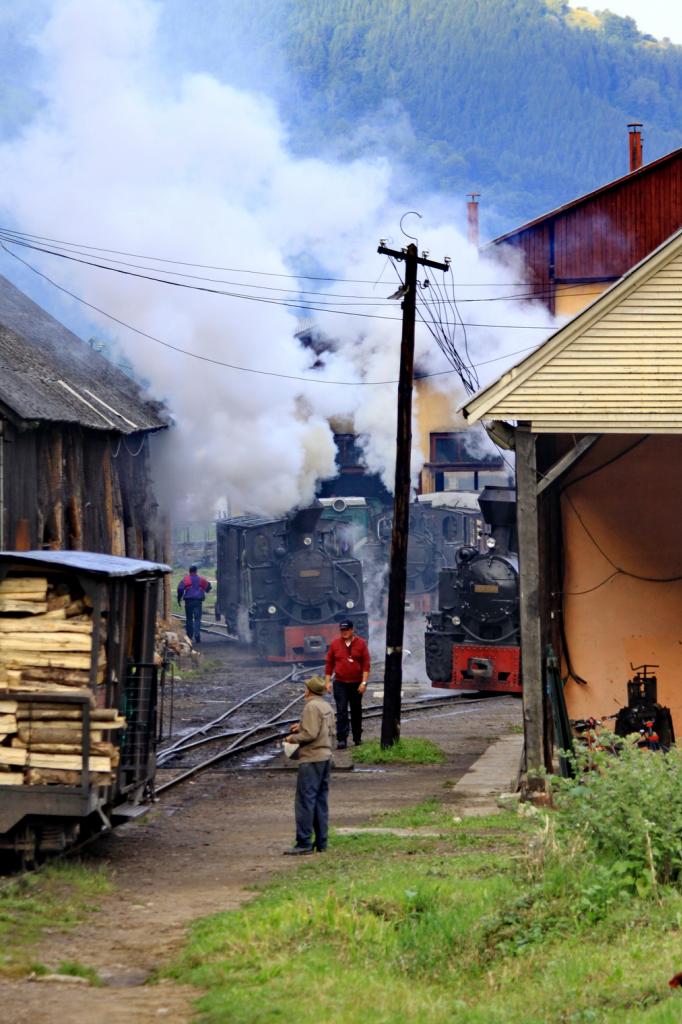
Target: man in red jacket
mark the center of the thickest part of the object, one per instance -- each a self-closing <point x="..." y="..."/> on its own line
<point x="348" y="662"/>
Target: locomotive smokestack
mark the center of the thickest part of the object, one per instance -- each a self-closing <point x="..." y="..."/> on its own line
<point x="303" y="522"/>
<point x="635" y="138"/>
<point x="473" y="230"/>
<point x="498" y="508"/>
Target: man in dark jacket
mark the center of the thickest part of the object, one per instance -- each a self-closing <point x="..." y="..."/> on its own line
<point x="348" y="661"/>
<point x="314" y="734"/>
<point x="193" y="589"/>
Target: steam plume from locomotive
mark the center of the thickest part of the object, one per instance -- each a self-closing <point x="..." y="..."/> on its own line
<point x="124" y="153"/>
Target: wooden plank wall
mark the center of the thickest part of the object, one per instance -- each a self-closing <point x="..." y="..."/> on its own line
<point x="607" y="234"/>
<point x="72" y="489"/>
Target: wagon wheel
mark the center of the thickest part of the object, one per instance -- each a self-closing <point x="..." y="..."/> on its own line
<point x="26" y="847"/>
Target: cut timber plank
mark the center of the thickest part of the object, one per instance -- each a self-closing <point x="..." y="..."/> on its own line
<point x="54" y="641"/>
<point x="28" y="583"/>
<point x="13" y="756"/>
<point x="51" y="777"/>
<point x="103" y="749"/>
<point x="45" y="624"/>
<point x="15" y="658"/>
<point x="71" y="762"/>
<point x="32" y="607"/>
<point x="8" y="723"/>
<point x="54" y="688"/>
<point x="11" y="779"/>
<point x="8" y="707"/>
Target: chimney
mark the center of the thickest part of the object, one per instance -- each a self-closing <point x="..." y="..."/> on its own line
<point x="635" y="137"/>
<point x="472" y="218"/>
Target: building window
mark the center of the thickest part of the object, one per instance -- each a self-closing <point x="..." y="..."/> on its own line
<point x="454" y="467"/>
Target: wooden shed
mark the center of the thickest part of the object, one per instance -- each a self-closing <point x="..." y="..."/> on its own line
<point x="576" y="251"/>
<point x="74" y="442"/>
<point x="596" y="420"/>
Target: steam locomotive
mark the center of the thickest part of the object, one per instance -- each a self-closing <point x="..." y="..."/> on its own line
<point x="472" y="641"/>
<point x="437" y="531"/>
<point x="285" y="584"/>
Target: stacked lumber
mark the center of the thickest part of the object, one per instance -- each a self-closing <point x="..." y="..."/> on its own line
<point x="46" y="647"/>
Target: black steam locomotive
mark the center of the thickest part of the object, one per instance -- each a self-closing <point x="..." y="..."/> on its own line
<point x="472" y="641"/>
<point x="437" y="531"/>
<point x="285" y="584"/>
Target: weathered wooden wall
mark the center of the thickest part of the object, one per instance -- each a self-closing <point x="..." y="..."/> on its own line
<point x="69" y="488"/>
<point x="601" y="236"/>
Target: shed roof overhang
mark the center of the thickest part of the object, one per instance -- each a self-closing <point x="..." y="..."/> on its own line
<point x="615" y="368"/>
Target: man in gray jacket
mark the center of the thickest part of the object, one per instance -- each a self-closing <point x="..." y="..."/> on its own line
<point x="314" y="735"/>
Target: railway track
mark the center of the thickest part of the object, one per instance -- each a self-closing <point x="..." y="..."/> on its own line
<point x="270" y="730"/>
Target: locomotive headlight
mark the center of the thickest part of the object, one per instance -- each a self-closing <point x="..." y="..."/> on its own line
<point x="307" y="541"/>
<point x="350" y="604"/>
<point x="272" y="609"/>
<point x="490" y="543"/>
<point x="456" y="621"/>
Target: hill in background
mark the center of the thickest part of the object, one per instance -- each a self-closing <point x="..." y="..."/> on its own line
<point x="526" y="101"/>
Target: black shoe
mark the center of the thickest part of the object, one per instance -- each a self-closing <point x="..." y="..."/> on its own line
<point x="320" y="849"/>
<point x="358" y="743"/>
<point x="297" y="851"/>
<point x="341" y="745"/>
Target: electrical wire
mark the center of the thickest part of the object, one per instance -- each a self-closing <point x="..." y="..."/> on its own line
<point x="21" y="237"/>
<point x="309" y="306"/>
<point x="67" y="250"/>
<point x="233" y="366"/>
<point x="619" y="569"/>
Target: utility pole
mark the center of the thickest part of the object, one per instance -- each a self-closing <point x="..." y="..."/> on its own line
<point x="397" y="579"/>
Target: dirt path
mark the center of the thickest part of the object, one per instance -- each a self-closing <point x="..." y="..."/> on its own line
<point x="201" y="850"/>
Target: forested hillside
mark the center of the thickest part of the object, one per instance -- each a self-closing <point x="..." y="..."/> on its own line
<point x="523" y="100"/>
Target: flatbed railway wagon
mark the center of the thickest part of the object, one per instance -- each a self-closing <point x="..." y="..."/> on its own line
<point x="78" y="695"/>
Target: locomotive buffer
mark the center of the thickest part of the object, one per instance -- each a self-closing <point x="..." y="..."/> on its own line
<point x="397" y="579"/>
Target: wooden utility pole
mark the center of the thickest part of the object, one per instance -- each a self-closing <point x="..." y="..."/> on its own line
<point x="397" y="579"/>
<point x="529" y="572"/>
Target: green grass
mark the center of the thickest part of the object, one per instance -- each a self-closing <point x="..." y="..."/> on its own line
<point x="415" y="929"/>
<point x="74" y="969"/>
<point x="57" y="898"/>
<point x="405" y="751"/>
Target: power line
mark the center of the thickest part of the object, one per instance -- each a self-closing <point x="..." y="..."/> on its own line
<point x="12" y="233"/>
<point x="233" y="366"/>
<point x="308" y="306"/>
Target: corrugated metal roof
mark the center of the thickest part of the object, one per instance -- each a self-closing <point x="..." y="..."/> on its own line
<point x="49" y="373"/>
<point x="615" y="368"/>
<point x="84" y="561"/>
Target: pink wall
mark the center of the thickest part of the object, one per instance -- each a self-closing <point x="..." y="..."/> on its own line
<point x="633" y="510"/>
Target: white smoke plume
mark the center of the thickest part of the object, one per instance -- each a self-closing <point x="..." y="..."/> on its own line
<point x="125" y="154"/>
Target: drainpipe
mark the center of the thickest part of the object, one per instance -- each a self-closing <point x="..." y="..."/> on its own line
<point x="635" y="138"/>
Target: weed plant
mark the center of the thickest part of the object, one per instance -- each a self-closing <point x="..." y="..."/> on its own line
<point x="411" y="750"/>
<point x="624" y="812"/>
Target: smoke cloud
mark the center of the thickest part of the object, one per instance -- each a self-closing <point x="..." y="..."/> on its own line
<point x="125" y="153"/>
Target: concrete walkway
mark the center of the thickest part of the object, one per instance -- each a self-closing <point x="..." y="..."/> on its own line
<point x="494" y="775"/>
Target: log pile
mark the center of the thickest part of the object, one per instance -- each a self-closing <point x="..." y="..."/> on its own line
<point x="46" y="647"/>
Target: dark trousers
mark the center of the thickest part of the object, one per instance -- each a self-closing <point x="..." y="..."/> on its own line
<point x="347" y="695"/>
<point x="193" y="618"/>
<point x="312" y="804"/>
